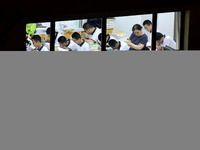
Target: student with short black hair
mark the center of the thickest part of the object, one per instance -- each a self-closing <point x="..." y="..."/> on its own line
<point x="83" y="46"/>
<point x="148" y="26"/>
<point x="38" y="44"/>
<point x="67" y="44"/>
<point x="57" y="35"/>
<point x="138" y="39"/>
<point x="118" y="45"/>
<point x="108" y="38"/>
<point x="92" y="32"/>
<point x="164" y="40"/>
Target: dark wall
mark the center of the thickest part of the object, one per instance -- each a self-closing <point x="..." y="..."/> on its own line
<point x="15" y="15"/>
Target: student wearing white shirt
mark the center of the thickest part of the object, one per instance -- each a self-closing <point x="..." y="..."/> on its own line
<point x="118" y="45"/>
<point x="148" y="26"/>
<point x="108" y="38"/>
<point x="57" y="35"/>
<point x="67" y="44"/>
<point x="162" y="41"/>
<point x="29" y="44"/>
<point x="37" y="43"/>
<point x="83" y="45"/>
<point x="92" y="32"/>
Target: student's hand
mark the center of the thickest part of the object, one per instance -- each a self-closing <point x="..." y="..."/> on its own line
<point x="158" y="47"/>
<point x="129" y="42"/>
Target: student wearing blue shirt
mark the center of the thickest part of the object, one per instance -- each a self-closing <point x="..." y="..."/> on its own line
<point x="138" y="39"/>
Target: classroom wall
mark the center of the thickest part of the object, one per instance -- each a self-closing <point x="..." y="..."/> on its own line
<point x="125" y="24"/>
<point x="165" y="23"/>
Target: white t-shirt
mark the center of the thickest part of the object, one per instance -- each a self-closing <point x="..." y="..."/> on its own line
<point x="123" y="46"/>
<point x="150" y="37"/>
<point x="43" y="48"/>
<point x="169" y="42"/>
<point x="57" y="37"/>
<point x="73" y="46"/>
<point x="94" y="35"/>
<point x="30" y="46"/>
<point x="84" y="46"/>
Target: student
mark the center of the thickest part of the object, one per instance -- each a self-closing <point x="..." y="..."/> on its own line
<point x="83" y="46"/>
<point x="92" y="32"/>
<point x="163" y="40"/>
<point x="95" y="22"/>
<point x="118" y="45"/>
<point x="67" y="43"/>
<point x="108" y="38"/>
<point x="29" y="44"/>
<point x="57" y="35"/>
<point x="37" y="43"/>
<point x="138" y="39"/>
<point x="148" y="26"/>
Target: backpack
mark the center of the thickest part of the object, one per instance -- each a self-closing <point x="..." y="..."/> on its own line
<point x="31" y="28"/>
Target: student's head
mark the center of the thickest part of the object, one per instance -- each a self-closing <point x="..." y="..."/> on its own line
<point x="36" y="40"/>
<point x="137" y="30"/>
<point x="76" y="37"/>
<point x="100" y="36"/>
<point x="88" y="28"/>
<point x="48" y="31"/>
<point x="159" y="38"/>
<point x="114" y="44"/>
<point x="62" y="41"/>
<point x="147" y="25"/>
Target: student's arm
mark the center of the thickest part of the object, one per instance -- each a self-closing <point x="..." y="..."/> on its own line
<point x="134" y="46"/>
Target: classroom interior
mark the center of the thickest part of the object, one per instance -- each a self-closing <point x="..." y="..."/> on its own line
<point x="119" y="27"/>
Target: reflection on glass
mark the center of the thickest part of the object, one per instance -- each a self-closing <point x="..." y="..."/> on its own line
<point x="36" y="37"/>
<point x="78" y="35"/>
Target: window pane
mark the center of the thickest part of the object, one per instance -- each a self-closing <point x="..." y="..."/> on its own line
<point x="37" y="38"/>
<point x="120" y="35"/>
<point x="168" y="26"/>
<point x="78" y="35"/>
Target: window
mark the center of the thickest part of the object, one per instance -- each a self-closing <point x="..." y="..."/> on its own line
<point x="146" y="32"/>
<point x="168" y="24"/>
<point x="37" y="38"/>
<point x="120" y="29"/>
<point x="78" y="35"/>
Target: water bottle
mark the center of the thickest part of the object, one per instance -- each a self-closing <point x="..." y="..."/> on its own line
<point x="43" y="42"/>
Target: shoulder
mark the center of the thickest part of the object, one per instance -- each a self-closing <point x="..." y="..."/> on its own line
<point x="144" y="36"/>
<point x="44" y="49"/>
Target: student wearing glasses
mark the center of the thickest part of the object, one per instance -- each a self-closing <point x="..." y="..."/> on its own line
<point x="138" y="39"/>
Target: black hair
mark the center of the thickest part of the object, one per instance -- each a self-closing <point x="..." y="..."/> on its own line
<point x="159" y="36"/>
<point x="76" y="35"/>
<point x="137" y="27"/>
<point x="62" y="39"/>
<point x="87" y="26"/>
<point x="112" y="42"/>
<point x="147" y="22"/>
<point x="48" y="31"/>
<point x="100" y="36"/>
<point x="95" y="22"/>
<point x="36" y="38"/>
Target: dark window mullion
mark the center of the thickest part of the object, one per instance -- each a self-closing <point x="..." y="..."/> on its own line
<point x="154" y="30"/>
<point x="103" y="39"/>
<point x="182" y="30"/>
<point x="52" y="36"/>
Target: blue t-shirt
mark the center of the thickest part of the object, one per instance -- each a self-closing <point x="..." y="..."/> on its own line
<point x="138" y="40"/>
